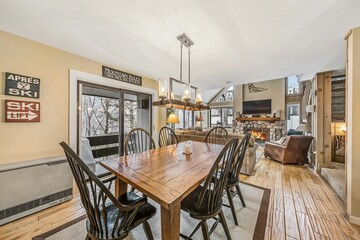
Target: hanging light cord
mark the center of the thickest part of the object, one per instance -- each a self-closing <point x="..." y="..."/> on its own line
<point x="181" y="46"/>
<point x="189" y="64"/>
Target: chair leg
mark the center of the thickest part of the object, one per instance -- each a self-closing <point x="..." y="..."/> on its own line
<point x="147" y="231"/>
<point x="223" y="222"/>
<point x="240" y="195"/>
<point x="205" y="230"/>
<point x="87" y="237"/>
<point x="229" y="195"/>
<point x="194" y="231"/>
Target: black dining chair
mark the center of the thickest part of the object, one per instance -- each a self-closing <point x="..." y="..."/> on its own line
<point x="205" y="202"/>
<point x="138" y="140"/>
<point x="167" y="137"/>
<point x="107" y="217"/>
<point x="234" y="175"/>
<point x="217" y="135"/>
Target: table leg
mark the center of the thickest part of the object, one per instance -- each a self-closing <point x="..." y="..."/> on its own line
<point x="120" y="187"/>
<point x="170" y="223"/>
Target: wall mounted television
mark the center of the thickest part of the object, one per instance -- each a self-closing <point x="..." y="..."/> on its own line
<point x="257" y="107"/>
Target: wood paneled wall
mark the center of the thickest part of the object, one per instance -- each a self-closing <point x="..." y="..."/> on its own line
<point x="321" y="129"/>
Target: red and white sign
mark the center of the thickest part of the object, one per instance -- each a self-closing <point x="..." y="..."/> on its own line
<point x="22" y="111"/>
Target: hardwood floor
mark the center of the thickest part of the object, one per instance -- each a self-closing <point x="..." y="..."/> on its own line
<point x="302" y="206"/>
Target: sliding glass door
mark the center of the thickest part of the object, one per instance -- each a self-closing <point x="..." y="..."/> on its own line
<point x="106" y="117"/>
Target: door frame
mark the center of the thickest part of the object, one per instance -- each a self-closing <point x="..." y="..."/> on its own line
<point x="75" y="77"/>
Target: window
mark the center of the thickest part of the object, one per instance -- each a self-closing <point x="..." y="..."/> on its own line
<point x="227" y="116"/>
<point x="293" y="86"/>
<point x="293" y="116"/>
<point x="185" y="118"/>
<point x="108" y="115"/>
<point x="130" y="112"/>
<point x="202" y="118"/>
<point x="221" y="116"/>
<point x="188" y="119"/>
<point x="227" y="95"/>
<point x="215" y="116"/>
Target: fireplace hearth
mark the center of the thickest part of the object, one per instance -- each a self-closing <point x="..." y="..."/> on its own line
<point x="260" y="134"/>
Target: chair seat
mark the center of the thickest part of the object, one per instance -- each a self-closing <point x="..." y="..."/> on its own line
<point x="144" y="213"/>
<point x="188" y="204"/>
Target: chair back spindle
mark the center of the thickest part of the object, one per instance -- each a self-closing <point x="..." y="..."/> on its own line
<point x="95" y="197"/>
<point x="138" y="140"/>
<point x="217" y="135"/>
<point x="214" y="186"/>
<point x="167" y="137"/>
<point x="239" y="159"/>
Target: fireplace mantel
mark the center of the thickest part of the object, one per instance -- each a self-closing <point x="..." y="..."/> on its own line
<point x="267" y="119"/>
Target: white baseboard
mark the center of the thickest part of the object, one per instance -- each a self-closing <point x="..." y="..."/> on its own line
<point x="354" y="220"/>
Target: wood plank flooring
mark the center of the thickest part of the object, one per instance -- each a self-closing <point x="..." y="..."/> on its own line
<point x="302" y="206"/>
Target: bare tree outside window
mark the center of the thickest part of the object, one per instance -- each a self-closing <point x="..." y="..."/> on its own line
<point x="130" y="115"/>
<point x="100" y="116"/>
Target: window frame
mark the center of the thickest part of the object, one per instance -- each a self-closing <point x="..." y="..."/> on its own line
<point x="301" y="90"/>
<point x="222" y="109"/>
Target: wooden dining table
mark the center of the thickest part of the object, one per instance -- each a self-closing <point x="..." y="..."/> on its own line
<point x="166" y="175"/>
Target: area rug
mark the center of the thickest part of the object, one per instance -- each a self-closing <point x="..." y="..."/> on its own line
<point x="252" y="221"/>
<point x="259" y="153"/>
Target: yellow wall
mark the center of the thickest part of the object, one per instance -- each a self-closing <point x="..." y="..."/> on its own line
<point x="238" y="98"/>
<point x="26" y="141"/>
<point x="353" y="126"/>
<point x="275" y="91"/>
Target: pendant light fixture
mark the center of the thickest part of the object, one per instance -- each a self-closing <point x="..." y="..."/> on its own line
<point x="185" y="102"/>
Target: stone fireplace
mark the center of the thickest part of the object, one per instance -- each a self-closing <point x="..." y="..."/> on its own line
<point x="266" y="129"/>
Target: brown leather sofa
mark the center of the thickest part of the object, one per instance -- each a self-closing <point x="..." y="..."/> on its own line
<point x="293" y="150"/>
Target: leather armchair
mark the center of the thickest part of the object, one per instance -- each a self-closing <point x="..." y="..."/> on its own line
<point x="293" y="150"/>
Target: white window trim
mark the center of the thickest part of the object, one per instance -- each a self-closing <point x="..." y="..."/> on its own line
<point x="75" y="76"/>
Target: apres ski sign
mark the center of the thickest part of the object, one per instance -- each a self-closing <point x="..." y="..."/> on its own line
<point x="22" y="86"/>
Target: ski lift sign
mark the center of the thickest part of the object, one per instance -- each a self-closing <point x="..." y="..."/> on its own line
<point x="22" y="111"/>
<point x="21" y="86"/>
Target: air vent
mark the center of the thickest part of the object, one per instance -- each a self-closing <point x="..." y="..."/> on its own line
<point x="59" y="197"/>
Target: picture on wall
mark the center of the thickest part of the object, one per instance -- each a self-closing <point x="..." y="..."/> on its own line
<point x="253" y="89"/>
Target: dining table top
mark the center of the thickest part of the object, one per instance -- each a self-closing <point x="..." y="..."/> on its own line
<point x="166" y="174"/>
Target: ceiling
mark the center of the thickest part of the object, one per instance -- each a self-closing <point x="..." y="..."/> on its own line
<point x="236" y="41"/>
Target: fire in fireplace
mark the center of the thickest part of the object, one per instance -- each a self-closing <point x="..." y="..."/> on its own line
<point x="260" y="134"/>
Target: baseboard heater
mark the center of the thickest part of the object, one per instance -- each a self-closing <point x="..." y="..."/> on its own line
<point x="31" y="186"/>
